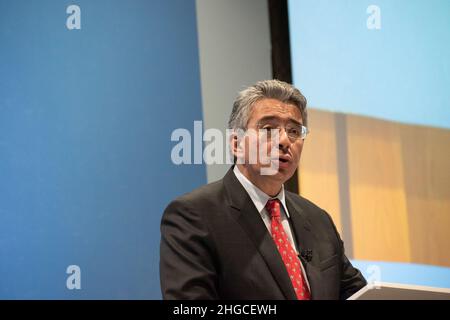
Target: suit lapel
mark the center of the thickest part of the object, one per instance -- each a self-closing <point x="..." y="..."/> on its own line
<point x="249" y="218"/>
<point x="305" y="241"/>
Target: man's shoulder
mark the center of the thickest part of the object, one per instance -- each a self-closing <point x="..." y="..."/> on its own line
<point x="207" y="195"/>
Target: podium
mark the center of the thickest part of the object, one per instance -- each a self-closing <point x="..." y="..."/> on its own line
<point x="395" y="291"/>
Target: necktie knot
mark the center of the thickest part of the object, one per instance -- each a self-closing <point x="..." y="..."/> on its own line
<point x="273" y="207"/>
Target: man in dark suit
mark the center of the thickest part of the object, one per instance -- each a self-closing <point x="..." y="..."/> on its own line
<point x="245" y="236"/>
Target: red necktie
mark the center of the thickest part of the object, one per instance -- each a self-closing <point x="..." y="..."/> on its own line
<point x="286" y="251"/>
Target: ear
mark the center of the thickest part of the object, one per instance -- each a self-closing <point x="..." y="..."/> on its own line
<point x="234" y="144"/>
<point x="237" y="149"/>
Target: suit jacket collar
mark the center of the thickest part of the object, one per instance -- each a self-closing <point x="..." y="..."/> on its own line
<point x="306" y="240"/>
<point x="246" y="214"/>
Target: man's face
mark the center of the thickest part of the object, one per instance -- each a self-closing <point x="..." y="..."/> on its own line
<point x="266" y="114"/>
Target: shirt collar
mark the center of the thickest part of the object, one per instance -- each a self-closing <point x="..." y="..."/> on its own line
<point x="258" y="196"/>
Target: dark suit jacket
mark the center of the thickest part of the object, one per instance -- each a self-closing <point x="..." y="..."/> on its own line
<point x="214" y="245"/>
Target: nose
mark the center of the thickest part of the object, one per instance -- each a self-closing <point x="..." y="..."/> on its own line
<point x="284" y="142"/>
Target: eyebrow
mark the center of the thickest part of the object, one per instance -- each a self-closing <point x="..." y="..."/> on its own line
<point x="269" y="118"/>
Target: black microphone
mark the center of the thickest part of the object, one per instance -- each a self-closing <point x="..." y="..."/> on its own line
<point x="307" y="255"/>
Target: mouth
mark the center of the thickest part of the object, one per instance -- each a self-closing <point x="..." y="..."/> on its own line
<point x="284" y="161"/>
<point x="284" y="158"/>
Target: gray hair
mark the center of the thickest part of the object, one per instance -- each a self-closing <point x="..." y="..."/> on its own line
<point x="267" y="89"/>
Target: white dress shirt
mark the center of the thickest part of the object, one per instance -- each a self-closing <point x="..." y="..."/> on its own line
<point x="260" y="199"/>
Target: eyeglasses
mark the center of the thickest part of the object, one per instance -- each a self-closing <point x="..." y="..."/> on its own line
<point x="293" y="131"/>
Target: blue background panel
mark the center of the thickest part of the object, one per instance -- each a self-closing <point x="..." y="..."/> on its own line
<point x="404" y="273"/>
<point x="85" y="123"/>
